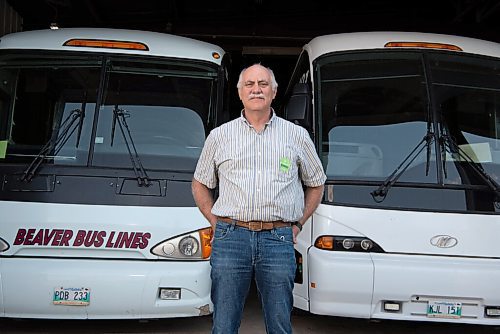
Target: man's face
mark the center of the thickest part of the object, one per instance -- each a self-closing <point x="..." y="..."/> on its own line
<point x="256" y="93"/>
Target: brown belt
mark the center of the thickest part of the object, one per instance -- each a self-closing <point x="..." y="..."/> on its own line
<point x="255" y="225"/>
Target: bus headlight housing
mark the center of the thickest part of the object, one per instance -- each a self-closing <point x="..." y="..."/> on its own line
<point x="347" y="244"/>
<point x="190" y="246"/>
<point x="3" y="245"/>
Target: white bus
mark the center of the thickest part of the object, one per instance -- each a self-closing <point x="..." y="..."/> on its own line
<point x="100" y="131"/>
<point x="407" y="126"/>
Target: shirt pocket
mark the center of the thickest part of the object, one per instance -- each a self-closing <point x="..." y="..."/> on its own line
<point x="286" y="165"/>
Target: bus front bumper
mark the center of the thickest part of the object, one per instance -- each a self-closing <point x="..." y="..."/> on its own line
<point x="119" y="289"/>
<point x="358" y="285"/>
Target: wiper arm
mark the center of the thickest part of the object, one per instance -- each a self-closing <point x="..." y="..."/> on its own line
<point x="448" y="143"/>
<point x="68" y="127"/>
<point x="120" y="116"/>
<point x="80" y="122"/>
<point x="381" y="192"/>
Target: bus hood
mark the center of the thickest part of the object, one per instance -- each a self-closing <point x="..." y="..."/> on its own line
<point x="411" y="232"/>
<point x="92" y="231"/>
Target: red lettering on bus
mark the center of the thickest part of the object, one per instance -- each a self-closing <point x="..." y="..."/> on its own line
<point x="38" y="239"/>
<point x="68" y="234"/>
<point x="110" y="243"/>
<point x="100" y="239"/>
<point x="118" y="240"/>
<point x="87" y="238"/>
<point x="29" y="236"/>
<point x="126" y="239"/>
<point x="56" y="241"/>
<point x="145" y="240"/>
<point x="44" y="236"/>
<point x="21" y="233"/>
<point x="80" y="238"/>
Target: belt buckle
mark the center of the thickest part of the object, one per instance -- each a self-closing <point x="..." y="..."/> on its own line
<point x="255" y="226"/>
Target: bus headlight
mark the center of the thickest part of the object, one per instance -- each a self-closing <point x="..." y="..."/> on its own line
<point x="190" y="246"/>
<point x="3" y="245"/>
<point x="347" y="244"/>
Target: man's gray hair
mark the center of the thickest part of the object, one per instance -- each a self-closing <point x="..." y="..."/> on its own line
<point x="274" y="83"/>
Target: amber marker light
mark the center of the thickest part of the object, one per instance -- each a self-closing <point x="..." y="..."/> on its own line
<point x="107" y="44"/>
<point x="215" y="55"/>
<point x="324" y="242"/>
<point x="423" y="45"/>
<point x="341" y="243"/>
<point x="205" y="240"/>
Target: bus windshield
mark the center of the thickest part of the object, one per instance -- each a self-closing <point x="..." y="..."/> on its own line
<point x="376" y="107"/>
<point x="64" y="105"/>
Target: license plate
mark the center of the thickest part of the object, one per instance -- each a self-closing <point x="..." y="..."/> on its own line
<point x="71" y="296"/>
<point x="441" y="309"/>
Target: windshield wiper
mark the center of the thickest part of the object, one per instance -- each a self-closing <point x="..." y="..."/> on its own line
<point x="120" y="116"/>
<point x="68" y="127"/>
<point x="381" y="192"/>
<point x="449" y="145"/>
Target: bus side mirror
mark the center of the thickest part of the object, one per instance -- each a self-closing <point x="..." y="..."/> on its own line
<point x="299" y="107"/>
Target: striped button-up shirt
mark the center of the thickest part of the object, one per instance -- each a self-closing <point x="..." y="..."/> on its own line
<point x="259" y="174"/>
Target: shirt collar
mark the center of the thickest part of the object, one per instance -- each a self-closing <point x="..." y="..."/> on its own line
<point x="268" y="123"/>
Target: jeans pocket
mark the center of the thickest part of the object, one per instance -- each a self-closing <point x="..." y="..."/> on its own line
<point x="284" y="234"/>
<point x="221" y="230"/>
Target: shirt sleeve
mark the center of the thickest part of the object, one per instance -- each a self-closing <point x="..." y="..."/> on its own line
<point x="310" y="167"/>
<point x="206" y="171"/>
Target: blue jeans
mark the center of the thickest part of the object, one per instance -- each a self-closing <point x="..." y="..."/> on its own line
<point x="239" y="254"/>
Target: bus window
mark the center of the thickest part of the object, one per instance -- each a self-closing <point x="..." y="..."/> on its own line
<point x="50" y="93"/>
<point x="6" y="92"/>
<point x="368" y="99"/>
<point x="468" y="100"/>
<point x="165" y="113"/>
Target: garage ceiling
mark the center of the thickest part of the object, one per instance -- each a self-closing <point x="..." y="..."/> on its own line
<point x="233" y="24"/>
<point x="271" y="32"/>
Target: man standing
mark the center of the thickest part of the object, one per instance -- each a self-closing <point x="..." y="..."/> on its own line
<point x="260" y="162"/>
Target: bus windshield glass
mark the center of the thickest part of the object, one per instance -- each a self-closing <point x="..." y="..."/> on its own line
<point x="66" y="106"/>
<point x="39" y="96"/>
<point x="368" y="99"/>
<point x="467" y="99"/>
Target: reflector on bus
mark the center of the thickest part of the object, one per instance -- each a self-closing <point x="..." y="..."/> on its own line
<point x="424" y="45"/>
<point x="108" y="44"/>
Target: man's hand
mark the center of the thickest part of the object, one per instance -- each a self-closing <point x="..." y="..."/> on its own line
<point x="204" y="200"/>
<point x="296" y="232"/>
